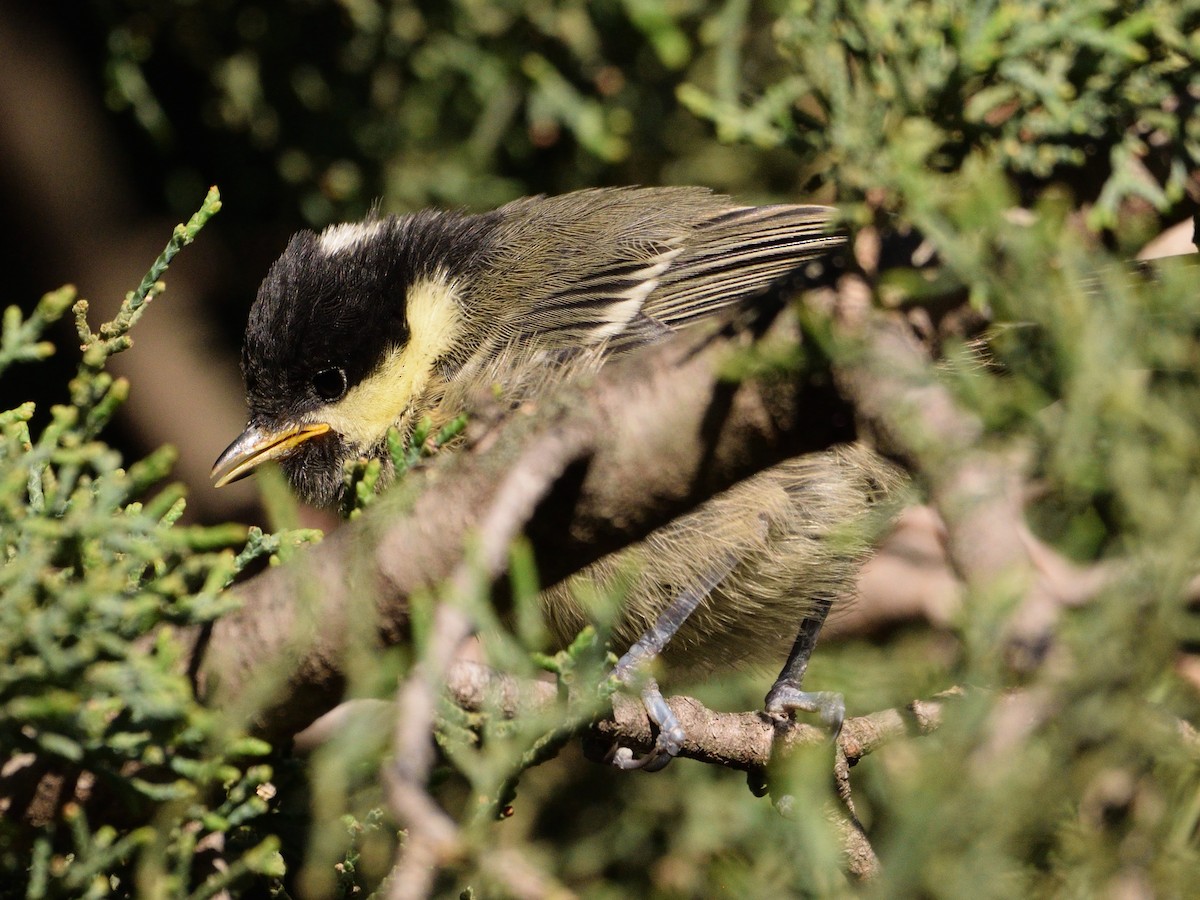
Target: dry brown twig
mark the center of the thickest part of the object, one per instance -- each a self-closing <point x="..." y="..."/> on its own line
<point x="748" y="741"/>
<point x="431" y="835"/>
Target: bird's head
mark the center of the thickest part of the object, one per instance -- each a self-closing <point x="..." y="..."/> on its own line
<point x="341" y="341"/>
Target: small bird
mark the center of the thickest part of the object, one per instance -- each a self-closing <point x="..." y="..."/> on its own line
<point x="377" y="324"/>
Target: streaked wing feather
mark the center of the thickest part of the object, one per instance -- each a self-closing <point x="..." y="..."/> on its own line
<point x="738" y="254"/>
<point x="642" y="330"/>
<point x="601" y="304"/>
<point x="655" y="287"/>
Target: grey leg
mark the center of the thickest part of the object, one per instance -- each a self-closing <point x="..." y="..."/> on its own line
<point x="670" y="733"/>
<point x="785" y="696"/>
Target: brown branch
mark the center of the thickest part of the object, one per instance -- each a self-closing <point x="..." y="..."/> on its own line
<point x="652" y="437"/>
<point x="739" y="740"/>
<point x="431" y="835"/>
<point x="736" y="740"/>
<point x="474" y="687"/>
<point x="860" y="859"/>
<point x="749" y="740"/>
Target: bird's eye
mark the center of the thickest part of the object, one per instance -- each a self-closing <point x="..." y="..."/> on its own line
<point x="330" y="384"/>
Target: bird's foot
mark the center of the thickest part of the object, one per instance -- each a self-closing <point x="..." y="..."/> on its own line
<point x="785" y="698"/>
<point x="670" y="737"/>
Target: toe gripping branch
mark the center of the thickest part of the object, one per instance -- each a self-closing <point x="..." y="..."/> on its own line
<point x="627" y="671"/>
<point x="784" y="698"/>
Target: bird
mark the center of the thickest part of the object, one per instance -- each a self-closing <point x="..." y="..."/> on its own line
<point x="383" y="323"/>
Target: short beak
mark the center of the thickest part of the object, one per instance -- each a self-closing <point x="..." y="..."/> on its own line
<point x="255" y="446"/>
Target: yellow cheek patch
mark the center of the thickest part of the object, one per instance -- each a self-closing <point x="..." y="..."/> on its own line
<point x="373" y="405"/>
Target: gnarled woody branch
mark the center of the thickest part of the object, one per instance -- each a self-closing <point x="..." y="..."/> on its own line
<point x="744" y="740"/>
<point x="650" y="437"/>
<point x="741" y="740"/>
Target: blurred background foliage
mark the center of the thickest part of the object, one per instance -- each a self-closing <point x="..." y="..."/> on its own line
<point x="1030" y="141"/>
<point x="465" y="103"/>
<point x="472" y="103"/>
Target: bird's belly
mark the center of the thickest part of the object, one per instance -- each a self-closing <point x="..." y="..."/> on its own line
<point x="798" y="532"/>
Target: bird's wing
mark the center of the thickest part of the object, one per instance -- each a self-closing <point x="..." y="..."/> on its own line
<point x="736" y="255"/>
<point x="600" y="304"/>
<point x="558" y="307"/>
<point x="654" y="285"/>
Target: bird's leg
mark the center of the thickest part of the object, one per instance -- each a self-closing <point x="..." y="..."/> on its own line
<point x="670" y="733"/>
<point x="785" y="696"/>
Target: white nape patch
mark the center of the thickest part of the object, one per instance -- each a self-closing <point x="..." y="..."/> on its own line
<point x="377" y="402"/>
<point x="347" y="236"/>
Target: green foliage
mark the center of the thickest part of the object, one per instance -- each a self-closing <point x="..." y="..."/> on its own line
<point x="363" y="476"/>
<point x="421" y="101"/>
<point x="1003" y="130"/>
<point x="1099" y="94"/>
<point x="99" y="580"/>
<point x="1093" y="383"/>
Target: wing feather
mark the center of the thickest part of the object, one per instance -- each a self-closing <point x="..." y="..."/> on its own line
<point x="620" y="267"/>
<point x="724" y="259"/>
<point x="737" y="255"/>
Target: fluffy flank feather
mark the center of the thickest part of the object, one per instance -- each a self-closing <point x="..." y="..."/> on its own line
<point x="800" y="531"/>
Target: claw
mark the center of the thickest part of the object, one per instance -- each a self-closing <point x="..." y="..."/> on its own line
<point x="670" y="737"/>
<point x="670" y="733"/>
<point x="654" y="761"/>
<point x="785" y="699"/>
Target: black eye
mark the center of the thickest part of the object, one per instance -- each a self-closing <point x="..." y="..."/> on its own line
<point x="330" y="384"/>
